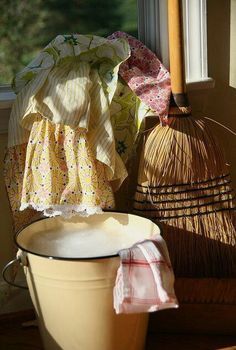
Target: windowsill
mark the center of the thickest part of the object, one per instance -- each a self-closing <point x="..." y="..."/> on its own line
<point x="7" y="96"/>
<point x="206" y="83"/>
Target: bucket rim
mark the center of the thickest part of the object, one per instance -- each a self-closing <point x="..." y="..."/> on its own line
<point x="50" y="257"/>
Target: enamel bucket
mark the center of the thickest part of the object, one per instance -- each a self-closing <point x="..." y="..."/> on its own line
<point x="70" y="267"/>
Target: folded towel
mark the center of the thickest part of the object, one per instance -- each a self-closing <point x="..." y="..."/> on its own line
<point x="145" y="279"/>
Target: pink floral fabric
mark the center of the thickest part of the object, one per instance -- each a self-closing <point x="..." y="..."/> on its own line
<point x="146" y="76"/>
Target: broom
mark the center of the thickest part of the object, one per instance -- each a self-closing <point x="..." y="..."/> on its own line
<point x="184" y="181"/>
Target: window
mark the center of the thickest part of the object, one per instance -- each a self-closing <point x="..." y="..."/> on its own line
<point x="153" y="30"/>
<point x="28" y="26"/>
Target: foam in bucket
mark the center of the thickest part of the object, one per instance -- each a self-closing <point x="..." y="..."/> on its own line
<point x="88" y="238"/>
<point x="90" y="242"/>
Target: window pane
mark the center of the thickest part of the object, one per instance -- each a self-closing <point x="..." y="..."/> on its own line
<point x="29" y="25"/>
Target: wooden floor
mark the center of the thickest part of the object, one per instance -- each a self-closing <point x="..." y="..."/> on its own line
<point x="13" y="336"/>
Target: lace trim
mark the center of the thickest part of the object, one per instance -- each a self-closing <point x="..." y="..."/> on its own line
<point x="65" y="210"/>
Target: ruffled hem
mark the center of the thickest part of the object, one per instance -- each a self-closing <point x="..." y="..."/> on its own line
<point x="55" y="173"/>
<point x="61" y="172"/>
<point x="66" y="211"/>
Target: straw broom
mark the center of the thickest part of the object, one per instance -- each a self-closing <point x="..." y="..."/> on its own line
<point x="184" y="181"/>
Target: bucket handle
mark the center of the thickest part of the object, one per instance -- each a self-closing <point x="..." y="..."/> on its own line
<point x="4" y="272"/>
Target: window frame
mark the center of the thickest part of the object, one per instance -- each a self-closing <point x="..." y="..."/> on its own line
<point x="153" y="31"/>
<point x="153" y="14"/>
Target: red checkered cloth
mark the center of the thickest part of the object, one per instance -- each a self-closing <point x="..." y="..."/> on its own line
<point x="145" y="279"/>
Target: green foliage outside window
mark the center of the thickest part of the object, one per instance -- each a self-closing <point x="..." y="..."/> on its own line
<point x="29" y="25"/>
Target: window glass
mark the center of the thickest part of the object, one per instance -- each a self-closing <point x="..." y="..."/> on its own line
<point x="29" y="25"/>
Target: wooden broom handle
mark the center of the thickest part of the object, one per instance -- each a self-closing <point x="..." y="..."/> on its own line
<point x="176" y="52"/>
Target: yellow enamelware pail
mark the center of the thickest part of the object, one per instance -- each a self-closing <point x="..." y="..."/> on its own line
<point x="70" y="267"/>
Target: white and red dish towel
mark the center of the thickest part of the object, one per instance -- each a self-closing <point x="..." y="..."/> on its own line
<point x="145" y="279"/>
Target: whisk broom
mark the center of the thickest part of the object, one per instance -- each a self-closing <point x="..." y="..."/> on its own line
<point x="184" y="181"/>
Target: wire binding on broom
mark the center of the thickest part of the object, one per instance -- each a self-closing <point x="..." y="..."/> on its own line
<point x="197" y="206"/>
<point x="145" y="201"/>
<point x="178" y="111"/>
<point x="149" y="204"/>
<point x="189" y="184"/>
<point x="185" y="184"/>
<point x="163" y="219"/>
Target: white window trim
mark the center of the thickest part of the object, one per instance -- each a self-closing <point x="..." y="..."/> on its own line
<point x="152" y="27"/>
<point x="7" y="96"/>
<point x="153" y="31"/>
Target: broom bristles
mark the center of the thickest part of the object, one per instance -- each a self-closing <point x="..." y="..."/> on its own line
<point x="184" y="182"/>
<point x="186" y="149"/>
